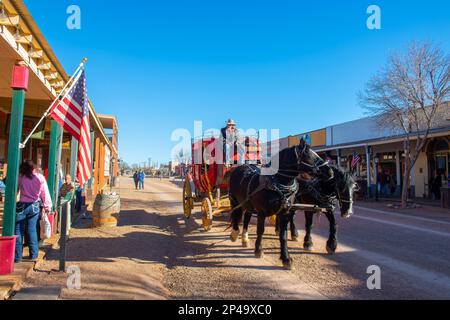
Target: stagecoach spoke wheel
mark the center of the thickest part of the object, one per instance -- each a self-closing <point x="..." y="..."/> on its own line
<point x="188" y="200"/>
<point x="207" y="214"/>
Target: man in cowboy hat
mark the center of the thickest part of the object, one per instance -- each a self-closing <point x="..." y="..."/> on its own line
<point x="230" y="135"/>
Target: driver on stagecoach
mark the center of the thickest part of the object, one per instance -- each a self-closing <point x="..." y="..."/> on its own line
<point x="231" y="141"/>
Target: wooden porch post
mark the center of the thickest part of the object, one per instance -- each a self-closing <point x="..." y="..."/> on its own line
<point x="101" y="170"/>
<point x="19" y="85"/>
<point x="96" y="167"/>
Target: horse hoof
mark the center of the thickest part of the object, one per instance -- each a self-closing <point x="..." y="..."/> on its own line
<point x="245" y="244"/>
<point x="308" y="247"/>
<point x="234" y="236"/>
<point x="259" y="254"/>
<point x="294" y="239"/>
<point x="331" y="250"/>
<point x="288" y="265"/>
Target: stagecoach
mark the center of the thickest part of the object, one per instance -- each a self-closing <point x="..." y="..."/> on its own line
<point x="206" y="179"/>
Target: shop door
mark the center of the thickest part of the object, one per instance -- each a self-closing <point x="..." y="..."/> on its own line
<point x="442" y="166"/>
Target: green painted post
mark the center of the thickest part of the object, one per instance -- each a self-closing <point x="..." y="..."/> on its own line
<point x="15" y="134"/>
<point x="73" y="158"/>
<point x="55" y="133"/>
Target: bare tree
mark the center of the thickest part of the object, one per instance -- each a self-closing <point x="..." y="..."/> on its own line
<point x="408" y="96"/>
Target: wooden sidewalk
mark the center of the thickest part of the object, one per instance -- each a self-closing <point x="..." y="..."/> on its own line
<point x="13" y="282"/>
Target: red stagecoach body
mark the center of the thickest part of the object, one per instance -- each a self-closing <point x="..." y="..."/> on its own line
<point x="207" y="176"/>
<point x="209" y="171"/>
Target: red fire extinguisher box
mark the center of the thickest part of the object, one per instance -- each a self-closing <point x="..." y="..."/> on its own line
<point x="20" y="77"/>
<point x="7" y="250"/>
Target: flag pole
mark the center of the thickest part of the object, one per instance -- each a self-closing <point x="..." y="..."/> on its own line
<point x="45" y="115"/>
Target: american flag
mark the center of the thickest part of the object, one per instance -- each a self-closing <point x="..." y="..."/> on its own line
<point x="72" y="113"/>
<point x="355" y="160"/>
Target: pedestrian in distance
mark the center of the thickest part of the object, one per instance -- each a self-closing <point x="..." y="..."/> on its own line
<point x="392" y="184"/>
<point x="141" y="180"/>
<point x="34" y="200"/>
<point x="436" y="187"/>
<point x="381" y="179"/>
<point x="136" y="179"/>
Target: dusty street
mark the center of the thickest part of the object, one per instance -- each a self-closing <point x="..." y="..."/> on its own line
<point x="155" y="254"/>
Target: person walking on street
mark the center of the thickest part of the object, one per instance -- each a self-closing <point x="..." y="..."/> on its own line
<point x="136" y="179"/>
<point x="34" y="200"/>
<point x="141" y="180"/>
<point x="381" y="178"/>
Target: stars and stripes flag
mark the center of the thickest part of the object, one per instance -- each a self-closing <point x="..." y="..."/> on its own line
<point x="72" y="113"/>
<point x="355" y="160"/>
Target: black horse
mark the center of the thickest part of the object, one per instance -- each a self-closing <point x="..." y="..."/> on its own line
<point x="325" y="194"/>
<point x="267" y="195"/>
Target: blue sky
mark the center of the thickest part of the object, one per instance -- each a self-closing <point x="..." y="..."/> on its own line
<point x="291" y="65"/>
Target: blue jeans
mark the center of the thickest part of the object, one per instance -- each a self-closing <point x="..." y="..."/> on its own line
<point x="141" y="184"/>
<point x="29" y="217"/>
<point x="79" y="200"/>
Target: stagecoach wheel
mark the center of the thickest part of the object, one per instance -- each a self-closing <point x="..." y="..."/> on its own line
<point x="273" y="220"/>
<point x="207" y="214"/>
<point x="188" y="201"/>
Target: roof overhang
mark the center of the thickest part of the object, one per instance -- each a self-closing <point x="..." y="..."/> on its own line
<point x="376" y="142"/>
<point x="108" y="121"/>
<point x="19" y="32"/>
<point x="22" y="40"/>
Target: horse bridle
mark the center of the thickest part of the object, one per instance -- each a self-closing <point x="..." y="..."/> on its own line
<point x="338" y="195"/>
<point x="315" y="168"/>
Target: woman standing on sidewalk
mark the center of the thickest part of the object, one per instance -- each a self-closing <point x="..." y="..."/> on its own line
<point x="34" y="199"/>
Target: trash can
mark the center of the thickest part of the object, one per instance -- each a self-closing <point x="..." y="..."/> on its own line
<point x="7" y="251"/>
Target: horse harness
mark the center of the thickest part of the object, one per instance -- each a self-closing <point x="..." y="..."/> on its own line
<point x="287" y="193"/>
<point x="311" y="188"/>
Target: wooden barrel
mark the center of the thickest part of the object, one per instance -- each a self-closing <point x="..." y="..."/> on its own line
<point x="106" y="209"/>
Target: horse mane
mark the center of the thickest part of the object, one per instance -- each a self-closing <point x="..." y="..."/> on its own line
<point x="343" y="178"/>
<point x="280" y="153"/>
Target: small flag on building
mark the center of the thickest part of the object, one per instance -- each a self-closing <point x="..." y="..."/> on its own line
<point x="355" y="160"/>
<point x="72" y="113"/>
